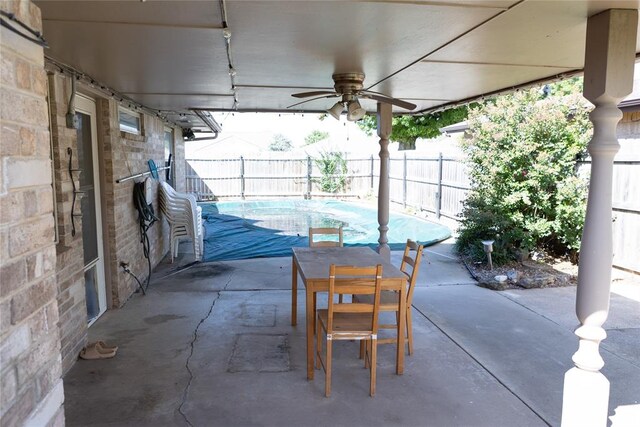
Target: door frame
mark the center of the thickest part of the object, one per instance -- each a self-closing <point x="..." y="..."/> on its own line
<point x="87" y="105"/>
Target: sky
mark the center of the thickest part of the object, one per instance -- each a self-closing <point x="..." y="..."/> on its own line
<point x="248" y="133"/>
<point x="251" y="133"/>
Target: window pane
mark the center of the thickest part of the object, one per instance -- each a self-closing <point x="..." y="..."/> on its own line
<point x="129" y="122"/>
<point x="91" y="293"/>
<point x="88" y="195"/>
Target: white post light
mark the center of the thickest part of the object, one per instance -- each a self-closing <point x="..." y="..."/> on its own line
<point x="488" y="248"/>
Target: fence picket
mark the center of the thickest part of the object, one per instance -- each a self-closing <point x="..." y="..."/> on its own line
<point x="434" y="184"/>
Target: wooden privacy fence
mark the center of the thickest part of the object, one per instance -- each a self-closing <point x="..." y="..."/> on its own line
<point x="626" y="213"/>
<point x="434" y="184"/>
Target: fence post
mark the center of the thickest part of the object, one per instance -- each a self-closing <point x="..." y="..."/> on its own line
<point x="242" y="177"/>
<point x="372" y="171"/>
<point x="309" y="171"/>
<point x="439" y="192"/>
<point x="404" y="179"/>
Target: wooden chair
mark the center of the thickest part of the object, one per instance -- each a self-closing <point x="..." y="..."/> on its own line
<point x="390" y="301"/>
<point x="325" y="231"/>
<point x="350" y="321"/>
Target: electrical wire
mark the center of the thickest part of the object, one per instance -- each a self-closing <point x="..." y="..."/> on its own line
<point x="146" y="218"/>
<point x="67" y="70"/>
<point x="226" y="32"/>
<point x="126" y="270"/>
<point x="37" y="36"/>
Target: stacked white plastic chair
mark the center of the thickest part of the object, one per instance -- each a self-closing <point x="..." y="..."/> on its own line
<point x="184" y="217"/>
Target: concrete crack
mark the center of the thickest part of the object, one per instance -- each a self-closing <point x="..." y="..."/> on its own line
<point x="185" y="393"/>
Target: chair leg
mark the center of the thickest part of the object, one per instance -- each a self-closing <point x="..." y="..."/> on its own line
<point x="362" y="351"/>
<point x="195" y="247"/>
<point x="327" y="362"/>
<point x="315" y="308"/>
<point x="409" y="328"/>
<point x="318" y="345"/>
<point x="374" y="351"/>
<point x="176" y="247"/>
<point x="365" y="344"/>
<point x="171" y="244"/>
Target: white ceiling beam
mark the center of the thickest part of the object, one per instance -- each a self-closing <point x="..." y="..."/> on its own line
<point x="179" y="94"/>
<point x="501" y="64"/>
<point x="428" y="99"/>
<point x="468" y="5"/>
<point x="450" y="41"/>
<point x="503" y="91"/>
<point x="138" y="24"/>
<point x="251" y="86"/>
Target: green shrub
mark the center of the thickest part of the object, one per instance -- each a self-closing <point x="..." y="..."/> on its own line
<point x="407" y="129"/>
<point x="333" y="167"/>
<point x="526" y="194"/>
<point x="280" y="143"/>
<point x="315" y="136"/>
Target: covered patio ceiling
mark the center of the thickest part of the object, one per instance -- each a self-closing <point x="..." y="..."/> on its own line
<point x="172" y="56"/>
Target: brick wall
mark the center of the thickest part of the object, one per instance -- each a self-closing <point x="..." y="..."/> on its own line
<point x="69" y="252"/>
<point x="126" y="154"/>
<point x="30" y="367"/>
<point x="121" y="154"/>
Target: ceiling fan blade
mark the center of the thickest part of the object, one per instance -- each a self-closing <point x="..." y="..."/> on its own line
<point x="314" y="93"/>
<point x="393" y="101"/>
<point x="334" y="95"/>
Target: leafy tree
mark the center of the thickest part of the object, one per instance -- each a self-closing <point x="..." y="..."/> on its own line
<point x="565" y="87"/>
<point x="280" y="143"/>
<point x="406" y="129"/>
<point x="315" y="136"/>
<point x="526" y="193"/>
<point x="333" y="167"/>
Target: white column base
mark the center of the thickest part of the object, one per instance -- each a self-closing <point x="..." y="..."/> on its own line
<point x="625" y="415"/>
<point x="585" y="399"/>
<point x="385" y="251"/>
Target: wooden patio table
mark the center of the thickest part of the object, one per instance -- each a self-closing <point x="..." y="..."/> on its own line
<point x="313" y="266"/>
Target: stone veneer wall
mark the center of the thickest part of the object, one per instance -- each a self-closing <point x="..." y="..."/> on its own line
<point x="121" y="154"/>
<point x="69" y="253"/>
<point x="125" y="154"/>
<point x="30" y="369"/>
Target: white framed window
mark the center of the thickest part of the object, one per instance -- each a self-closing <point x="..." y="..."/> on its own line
<point x="130" y="121"/>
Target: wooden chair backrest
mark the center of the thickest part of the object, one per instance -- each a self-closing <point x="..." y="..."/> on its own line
<point x="353" y="280"/>
<point x="325" y="231"/>
<point x="411" y="265"/>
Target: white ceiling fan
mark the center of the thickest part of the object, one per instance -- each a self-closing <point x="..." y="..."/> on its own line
<point x="349" y="87"/>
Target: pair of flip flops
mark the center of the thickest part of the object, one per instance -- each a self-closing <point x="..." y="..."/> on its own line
<point x="98" y="350"/>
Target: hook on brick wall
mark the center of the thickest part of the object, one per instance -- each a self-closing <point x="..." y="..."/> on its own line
<point x="75" y="192"/>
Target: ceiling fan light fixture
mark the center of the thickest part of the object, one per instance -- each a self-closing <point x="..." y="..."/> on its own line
<point x="336" y="110"/>
<point x="355" y="111"/>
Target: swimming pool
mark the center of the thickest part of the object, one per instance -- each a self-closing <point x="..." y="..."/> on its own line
<point x="270" y="228"/>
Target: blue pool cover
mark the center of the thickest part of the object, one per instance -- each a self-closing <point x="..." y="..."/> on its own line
<point x="270" y="228"/>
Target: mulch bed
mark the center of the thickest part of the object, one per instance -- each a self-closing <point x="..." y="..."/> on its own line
<point x="529" y="274"/>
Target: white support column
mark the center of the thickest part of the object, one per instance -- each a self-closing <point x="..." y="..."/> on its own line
<point x="608" y="78"/>
<point x="384" y="131"/>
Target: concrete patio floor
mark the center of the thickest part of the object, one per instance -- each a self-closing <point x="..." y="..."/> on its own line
<point x="212" y="345"/>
